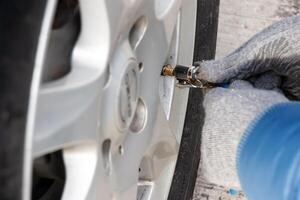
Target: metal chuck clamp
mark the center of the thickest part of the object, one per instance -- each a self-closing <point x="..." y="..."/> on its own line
<point x="186" y="76"/>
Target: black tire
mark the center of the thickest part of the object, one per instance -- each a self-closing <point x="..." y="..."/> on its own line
<point x="185" y="174"/>
<point x="20" y="23"/>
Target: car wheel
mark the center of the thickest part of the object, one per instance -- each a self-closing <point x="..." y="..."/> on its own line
<point x="84" y="111"/>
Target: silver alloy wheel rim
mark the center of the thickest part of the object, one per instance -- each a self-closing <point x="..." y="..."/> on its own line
<point x="117" y="121"/>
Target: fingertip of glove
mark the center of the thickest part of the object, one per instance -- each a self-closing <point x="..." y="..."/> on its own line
<point x="212" y="71"/>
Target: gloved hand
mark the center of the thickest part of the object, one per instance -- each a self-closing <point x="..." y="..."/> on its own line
<point x="276" y="49"/>
<point x="228" y="112"/>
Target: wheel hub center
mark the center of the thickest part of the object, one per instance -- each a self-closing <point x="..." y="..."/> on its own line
<point x="128" y="94"/>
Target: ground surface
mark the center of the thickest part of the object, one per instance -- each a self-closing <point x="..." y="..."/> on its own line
<point x="238" y="21"/>
<point x="241" y="19"/>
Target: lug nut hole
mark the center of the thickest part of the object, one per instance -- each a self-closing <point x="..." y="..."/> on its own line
<point x="141" y="66"/>
<point x="121" y="150"/>
<point x="137" y="32"/>
<point x="140" y="117"/>
<point x="106" y="153"/>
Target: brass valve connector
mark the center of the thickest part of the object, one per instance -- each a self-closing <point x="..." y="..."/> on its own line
<point x="167" y="70"/>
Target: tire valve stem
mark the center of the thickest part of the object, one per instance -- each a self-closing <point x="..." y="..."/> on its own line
<point x="186" y="76"/>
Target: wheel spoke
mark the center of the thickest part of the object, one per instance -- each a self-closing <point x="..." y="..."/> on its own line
<point x="67" y="109"/>
<point x="167" y="13"/>
<point x="86" y="178"/>
<point x="66" y="113"/>
<point x="161" y="149"/>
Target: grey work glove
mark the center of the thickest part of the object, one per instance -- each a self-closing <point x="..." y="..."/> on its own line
<point x="228" y="112"/>
<point x="276" y="49"/>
